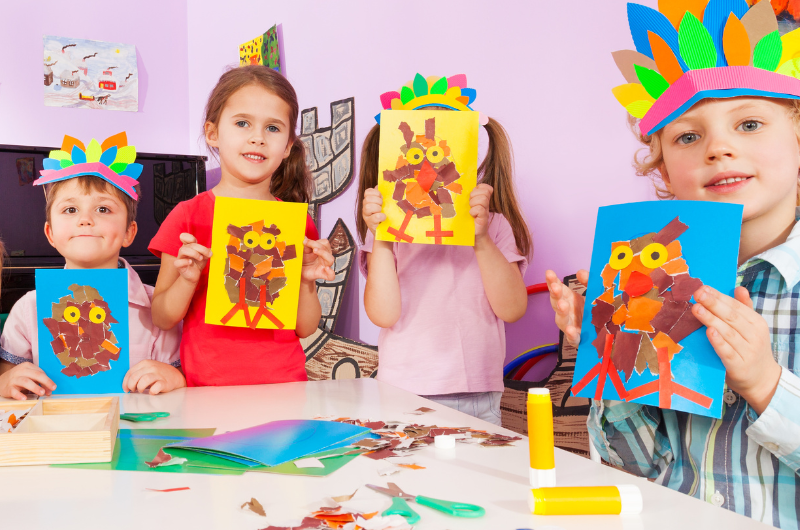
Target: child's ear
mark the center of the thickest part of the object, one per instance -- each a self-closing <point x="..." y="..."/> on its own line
<point x="665" y="177"/>
<point x="48" y="232"/>
<point x="211" y="134"/>
<point x="288" y="149"/>
<point x="130" y="234"/>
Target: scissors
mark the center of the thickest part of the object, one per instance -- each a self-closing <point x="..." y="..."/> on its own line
<point x="143" y="416"/>
<point x="400" y="505"/>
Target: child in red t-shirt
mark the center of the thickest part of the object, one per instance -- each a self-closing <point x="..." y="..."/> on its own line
<point x="250" y="121"/>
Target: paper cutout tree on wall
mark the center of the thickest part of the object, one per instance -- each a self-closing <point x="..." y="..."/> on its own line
<point x="254" y="273"/>
<point x="81" y="328"/>
<point x="424" y="179"/>
<point x="641" y="327"/>
<point x="329" y="152"/>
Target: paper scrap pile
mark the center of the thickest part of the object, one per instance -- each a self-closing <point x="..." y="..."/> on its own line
<point x="398" y="439"/>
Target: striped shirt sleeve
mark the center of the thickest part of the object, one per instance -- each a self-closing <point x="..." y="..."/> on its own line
<point x="778" y="428"/>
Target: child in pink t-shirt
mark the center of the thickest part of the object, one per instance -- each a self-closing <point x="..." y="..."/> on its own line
<point x="442" y="308"/>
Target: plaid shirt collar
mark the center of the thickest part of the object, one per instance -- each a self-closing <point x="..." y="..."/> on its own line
<point x="785" y="257"/>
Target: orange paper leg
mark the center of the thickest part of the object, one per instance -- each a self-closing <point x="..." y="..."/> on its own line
<point x="601" y="370"/>
<point x="400" y="235"/>
<point x="666" y="387"/>
<point x="437" y="232"/>
<point x="240" y="306"/>
<point x="263" y="310"/>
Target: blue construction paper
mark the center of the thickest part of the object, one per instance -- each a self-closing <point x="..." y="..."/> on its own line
<point x="112" y="285"/>
<point x="277" y="442"/>
<point x="710" y="247"/>
<point x="642" y="19"/>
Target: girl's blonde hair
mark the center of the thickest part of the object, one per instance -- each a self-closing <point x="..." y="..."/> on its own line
<point x="649" y="160"/>
<point x="292" y="180"/>
<point x="496" y="170"/>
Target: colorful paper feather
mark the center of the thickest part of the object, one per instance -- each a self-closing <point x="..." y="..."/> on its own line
<point x="114" y="161"/>
<point x="732" y="43"/>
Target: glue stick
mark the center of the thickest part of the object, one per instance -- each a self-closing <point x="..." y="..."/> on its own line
<point x="540" y="438"/>
<point x="593" y="500"/>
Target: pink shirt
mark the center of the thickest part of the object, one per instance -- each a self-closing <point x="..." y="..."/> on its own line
<point x="21" y="338"/>
<point x="447" y="339"/>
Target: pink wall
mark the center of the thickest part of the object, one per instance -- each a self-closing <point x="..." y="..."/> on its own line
<point x="157" y="28"/>
<point x="544" y="70"/>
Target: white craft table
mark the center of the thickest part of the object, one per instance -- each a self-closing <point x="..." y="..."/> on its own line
<point x="494" y="477"/>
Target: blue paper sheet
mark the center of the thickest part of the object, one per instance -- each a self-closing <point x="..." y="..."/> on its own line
<point x="277" y="442"/>
<point x="82" y="319"/>
<point x="709" y="245"/>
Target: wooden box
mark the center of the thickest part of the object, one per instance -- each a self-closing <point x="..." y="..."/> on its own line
<point x="61" y="431"/>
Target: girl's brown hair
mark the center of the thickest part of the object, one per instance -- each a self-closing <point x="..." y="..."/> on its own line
<point x="649" y="161"/>
<point x="496" y="170"/>
<point x="292" y="180"/>
<point x="2" y="260"/>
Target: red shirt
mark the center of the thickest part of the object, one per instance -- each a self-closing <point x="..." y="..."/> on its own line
<point x="219" y="355"/>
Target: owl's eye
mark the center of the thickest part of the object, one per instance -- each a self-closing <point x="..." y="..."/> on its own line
<point x="435" y="154"/>
<point x="621" y="257"/>
<point x="415" y="155"/>
<point x="267" y="241"/>
<point x="72" y="314"/>
<point x="251" y="239"/>
<point x="97" y="315"/>
<point x="653" y="256"/>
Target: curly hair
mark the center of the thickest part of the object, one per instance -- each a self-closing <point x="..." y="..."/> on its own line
<point x="649" y="160"/>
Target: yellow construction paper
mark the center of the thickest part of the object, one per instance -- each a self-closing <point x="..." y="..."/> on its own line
<point x="259" y="243"/>
<point x="426" y="165"/>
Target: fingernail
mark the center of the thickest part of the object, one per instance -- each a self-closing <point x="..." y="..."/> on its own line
<point x="701" y="310"/>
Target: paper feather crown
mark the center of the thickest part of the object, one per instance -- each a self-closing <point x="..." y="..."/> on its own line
<point x="112" y="161"/>
<point x="690" y="50"/>
<point x="450" y="92"/>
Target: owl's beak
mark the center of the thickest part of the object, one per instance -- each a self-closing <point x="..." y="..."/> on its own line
<point x="426" y="176"/>
<point x="638" y="284"/>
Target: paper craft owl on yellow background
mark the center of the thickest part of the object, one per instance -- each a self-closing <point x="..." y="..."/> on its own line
<point x="254" y="270"/>
<point x="425" y="179"/>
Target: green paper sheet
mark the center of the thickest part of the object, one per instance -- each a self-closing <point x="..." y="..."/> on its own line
<point x="206" y="461"/>
<point x="134" y="447"/>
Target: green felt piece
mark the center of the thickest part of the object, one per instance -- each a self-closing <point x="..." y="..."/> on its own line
<point x="695" y="44"/>
<point x="440" y="86"/>
<point x="767" y="53"/>
<point x="66" y="163"/>
<point x="653" y="82"/>
<point x="131" y="452"/>
<point x="420" y="86"/>
<point x="118" y="167"/>
<point x="406" y="95"/>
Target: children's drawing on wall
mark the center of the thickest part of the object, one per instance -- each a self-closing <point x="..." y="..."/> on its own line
<point x="25" y="171"/>
<point x="428" y="167"/>
<point x="260" y="273"/>
<point x="83" y="328"/>
<point x="264" y="49"/>
<point x="80" y="73"/>
<point x="640" y="341"/>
